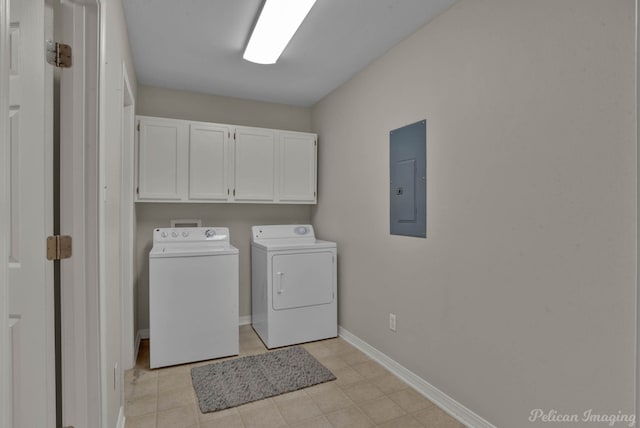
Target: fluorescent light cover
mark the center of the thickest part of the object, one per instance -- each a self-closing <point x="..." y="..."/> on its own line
<point x="278" y="22"/>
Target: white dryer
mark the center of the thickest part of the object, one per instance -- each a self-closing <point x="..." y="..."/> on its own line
<point x="293" y="285"/>
<point x="193" y="295"/>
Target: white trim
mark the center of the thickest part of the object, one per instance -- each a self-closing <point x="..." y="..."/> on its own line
<point x="105" y="371"/>
<point x="140" y="334"/>
<point x="245" y="320"/>
<point x="50" y="335"/>
<point x="127" y="222"/>
<point x="6" y="404"/>
<point x="637" y="290"/>
<point x="78" y="216"/>
<point x="122" y="421"/>
<point x="463" y="414"/>
<point x="136" y="346"/>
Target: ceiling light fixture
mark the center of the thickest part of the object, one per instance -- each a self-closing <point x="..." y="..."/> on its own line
<point x="278" y="22"/>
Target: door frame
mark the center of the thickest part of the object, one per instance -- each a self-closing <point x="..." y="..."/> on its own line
<point x="127" y="222"/>
<point x="79" y="190"/>
<point x="6" y="405"/>
<point x="637" y="308"/>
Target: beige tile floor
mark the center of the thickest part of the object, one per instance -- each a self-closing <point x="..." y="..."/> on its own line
<point x="364" y="394"/>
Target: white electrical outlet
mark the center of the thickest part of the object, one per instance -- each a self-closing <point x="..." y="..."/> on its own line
<point x="392" y="322"/>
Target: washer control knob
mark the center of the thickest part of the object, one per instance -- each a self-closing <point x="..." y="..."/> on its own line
<point x="185" y="234"/>
<point x="174" y="234"/>
<point x="163" y="234"/>
<point x="210" y="233"/>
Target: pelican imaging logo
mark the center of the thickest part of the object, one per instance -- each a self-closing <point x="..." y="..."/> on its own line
<point x="588" y="416"/>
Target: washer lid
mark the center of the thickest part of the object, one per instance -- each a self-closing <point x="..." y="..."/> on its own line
<point x="177" y="250"/>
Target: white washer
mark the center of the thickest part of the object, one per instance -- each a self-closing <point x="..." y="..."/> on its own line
<point x="193" y="295"/>
<point x="293" y="285"/>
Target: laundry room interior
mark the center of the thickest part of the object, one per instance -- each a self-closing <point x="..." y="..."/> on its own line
<point x="521" y="294"/>
<point x="167" y="103"/>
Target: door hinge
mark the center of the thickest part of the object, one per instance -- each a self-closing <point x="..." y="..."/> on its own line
<point x="138" y="190"/>
<point x="228" y="191"/>
<point x="58" y="247"/>
<point x="138" y="126"/>
<point x="234" y="135"/>
<point x="58" y="54"/>
<point x="234" y="192"/>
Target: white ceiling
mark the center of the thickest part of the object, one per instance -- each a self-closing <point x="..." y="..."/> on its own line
<point x="197" y="45"/>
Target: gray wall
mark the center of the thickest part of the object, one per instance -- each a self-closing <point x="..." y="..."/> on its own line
<point x="161" y="102"/>
<point x="523" y="294"/>
<point x="152" y="101"/>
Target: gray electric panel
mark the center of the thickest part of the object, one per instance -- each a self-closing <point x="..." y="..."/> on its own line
<point x="408" y="174"/>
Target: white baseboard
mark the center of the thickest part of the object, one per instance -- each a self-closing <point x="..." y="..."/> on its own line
<point x="466" y="416"/>
<point x="141" y="334"/>
<point x="121" y="419"/>
<point x="136" y="346"/>
<point x="245" y="320"/>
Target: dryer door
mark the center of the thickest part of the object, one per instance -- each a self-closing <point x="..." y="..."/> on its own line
<point x="304" y="279"/>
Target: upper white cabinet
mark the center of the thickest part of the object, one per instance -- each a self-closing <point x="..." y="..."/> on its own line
<point x="209" y="162"/>
<point x="162" y="159"/>
<point x="184" y="161"/>
<point x="297" y="168"/>
<point x="255" y="164"/>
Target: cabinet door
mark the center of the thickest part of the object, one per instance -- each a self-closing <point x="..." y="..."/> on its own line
<point x="162" y="171"/>
<point x="254" y="156"/>
<point x="208" y="164"/>
<point x="297" y="172"/>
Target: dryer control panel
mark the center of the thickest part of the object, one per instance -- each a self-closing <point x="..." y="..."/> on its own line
<point x="283" y="231"/>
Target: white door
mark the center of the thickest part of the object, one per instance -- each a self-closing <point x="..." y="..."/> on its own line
<point x="208" y="162"/>
<point x="297" y="167"/>
<point x="254" y="156"/>
<point x="304" y="279"/>
<point x="27" y="216"/>
<point x="163" y="159"/>
<point x="80" y="377"/>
